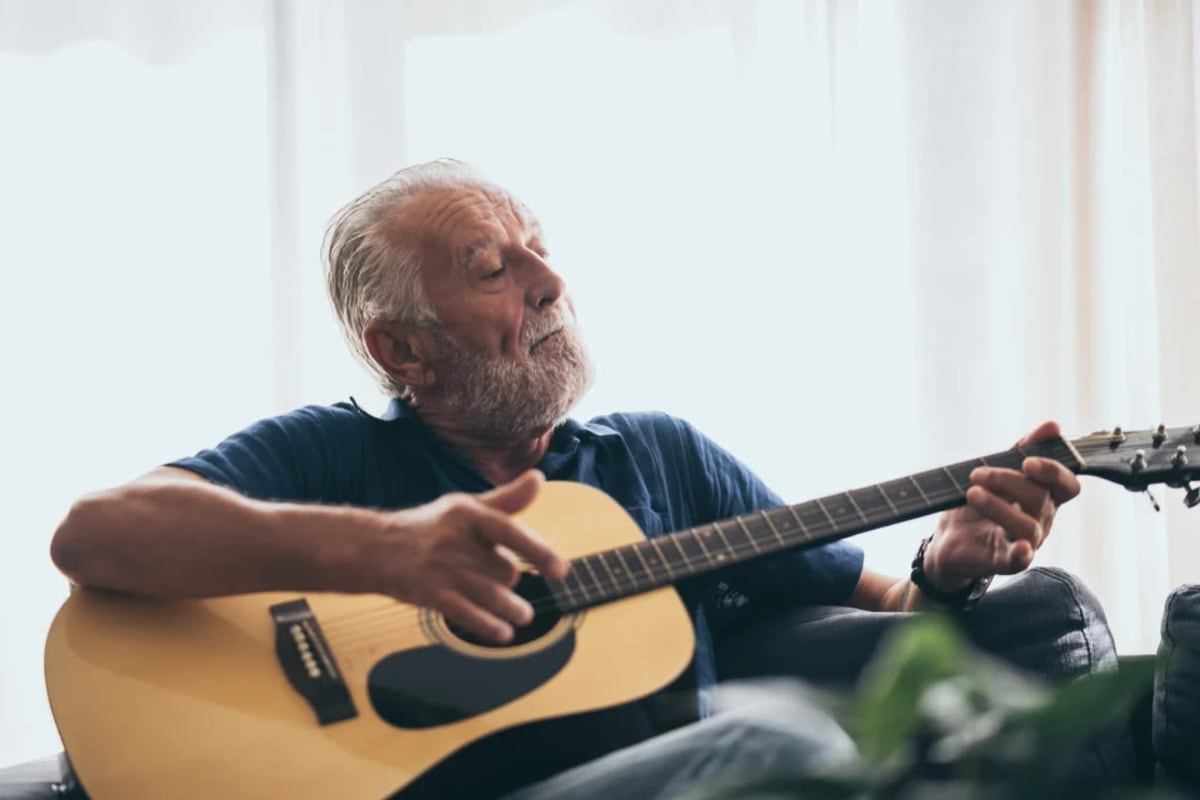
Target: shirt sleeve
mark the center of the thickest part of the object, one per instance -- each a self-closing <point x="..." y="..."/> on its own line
<point x="293" y="457"/>
<point x="825" y="575"/>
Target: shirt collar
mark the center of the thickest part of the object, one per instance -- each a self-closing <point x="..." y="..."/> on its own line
<point x="398" y="410"/>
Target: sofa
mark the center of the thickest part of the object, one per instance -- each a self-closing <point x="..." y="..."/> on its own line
<point x="1045" y="621"/>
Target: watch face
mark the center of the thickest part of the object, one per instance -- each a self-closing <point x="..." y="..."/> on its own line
<point x="979" y="588"/>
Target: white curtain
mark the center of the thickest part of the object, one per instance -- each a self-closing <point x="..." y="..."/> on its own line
<point x="848" y="240"/>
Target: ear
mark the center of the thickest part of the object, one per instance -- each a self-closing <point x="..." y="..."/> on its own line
<point x="399" y="352"/>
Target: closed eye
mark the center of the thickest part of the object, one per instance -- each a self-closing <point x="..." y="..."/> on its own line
<point x="495" y="274"/>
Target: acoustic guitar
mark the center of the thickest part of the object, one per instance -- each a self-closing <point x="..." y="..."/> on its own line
<point x="326" y="695"/>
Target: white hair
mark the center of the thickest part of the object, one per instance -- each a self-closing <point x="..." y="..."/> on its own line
<point x="370" y="273"/>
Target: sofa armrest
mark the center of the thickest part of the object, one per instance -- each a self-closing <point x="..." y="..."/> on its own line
<point x="49" y="778"/>
<point x="1177" y="689"/>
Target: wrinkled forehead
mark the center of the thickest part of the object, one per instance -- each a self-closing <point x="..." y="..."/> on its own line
<point x="447" y="220"/>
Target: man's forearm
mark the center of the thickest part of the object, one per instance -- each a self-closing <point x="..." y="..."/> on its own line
<point x="188" y="538"/>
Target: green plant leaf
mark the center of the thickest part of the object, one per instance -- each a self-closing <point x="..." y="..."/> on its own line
<point x="887" y="712"/>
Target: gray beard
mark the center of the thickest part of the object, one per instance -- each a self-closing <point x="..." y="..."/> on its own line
<point x="502" y="398"/>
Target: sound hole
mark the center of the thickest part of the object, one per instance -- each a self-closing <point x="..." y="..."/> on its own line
<point x="545" y="615"/>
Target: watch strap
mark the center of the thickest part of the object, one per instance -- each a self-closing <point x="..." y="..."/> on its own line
<point x="962" y="599"/>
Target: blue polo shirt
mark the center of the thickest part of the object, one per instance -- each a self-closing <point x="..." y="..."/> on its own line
<point x="664" y="472"/>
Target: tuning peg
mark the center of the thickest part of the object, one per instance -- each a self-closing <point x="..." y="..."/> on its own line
<point x="1160" y="436"/>
<point x="1118" y="436"/>
<point x="1180" y="459"/>
<point x="1138" y="462"/>
<point x="1196" y="434"/>
<point x="1192" y="498"/>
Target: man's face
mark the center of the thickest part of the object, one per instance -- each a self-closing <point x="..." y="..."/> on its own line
<point x="508" y="357"/>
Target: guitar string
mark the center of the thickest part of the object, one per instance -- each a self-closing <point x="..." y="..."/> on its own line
<point x="393" y="611"/>
<point x="357" y="627"/>
<point x="622" y="584"/>
<point x="688" y="561"/>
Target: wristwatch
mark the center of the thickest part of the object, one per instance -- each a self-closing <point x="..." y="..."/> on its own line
<point x="963" y="599"/>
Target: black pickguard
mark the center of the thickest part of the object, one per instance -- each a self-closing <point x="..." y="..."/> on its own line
<point x="436" y="685"/>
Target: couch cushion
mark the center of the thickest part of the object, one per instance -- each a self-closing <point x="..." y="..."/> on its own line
<point x="1177" y="688"/>
<point x="1044" y="621"/>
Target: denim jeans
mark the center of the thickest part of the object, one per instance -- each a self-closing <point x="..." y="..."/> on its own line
<point x="759" y="737"/>
<point x="1044" y="621"/>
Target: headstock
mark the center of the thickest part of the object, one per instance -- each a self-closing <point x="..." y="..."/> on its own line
<point x="1140" y="459"/>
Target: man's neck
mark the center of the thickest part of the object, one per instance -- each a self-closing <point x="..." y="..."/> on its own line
<point x="500" y="460"/>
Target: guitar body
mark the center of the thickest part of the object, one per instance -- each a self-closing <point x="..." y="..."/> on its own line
<point x="323" y="695"/>
<point x="189" y="699"/>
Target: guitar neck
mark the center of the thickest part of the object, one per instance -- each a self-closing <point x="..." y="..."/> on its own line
<point x="654" y="563"/>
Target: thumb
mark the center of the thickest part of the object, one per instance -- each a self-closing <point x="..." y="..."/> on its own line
<point x="516" y="494"/>
<point x="1020" y="556"/>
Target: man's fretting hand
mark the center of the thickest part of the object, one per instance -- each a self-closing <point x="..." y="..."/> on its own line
<point x="459" y="555"/>
<point x="1007" y="517"/>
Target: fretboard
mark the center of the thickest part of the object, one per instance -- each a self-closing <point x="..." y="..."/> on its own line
<point x="664" y="560"/>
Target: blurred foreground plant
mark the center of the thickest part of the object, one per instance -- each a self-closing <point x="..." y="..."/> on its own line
<point x="934" y="718"/>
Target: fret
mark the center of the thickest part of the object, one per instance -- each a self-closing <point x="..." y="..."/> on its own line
<point x="938" y="485"/>
<point x="720" y="555"/>
<point x="857" y="508"/>
<point x="774" y="530"/>
<point x="888" y="500"/>
<point x="592" y="572"/>
<point x="646" y="563"/>
<point x="684" y="561"/>
<point x="828" y="516"/>
<point x="728" y="546"/>
<point x="621" y="566"/>
<point x="799" y="522"/>
<point x="663" y="558"/>
<point x="607" y="568"/>
<point x="573" y="575"/>
<point x="740" y="538"/>
<point x="1009" y="459"/>
<point x="1013" y="458"/>
<point x="919" y="489"/>
<point x="963" y="472"/>
<point x="950" y="475"/>
<point x="750" y="536"/>
<point x="563" y="597"/>
<point x="1064" y="453"/>
<point x="695" y="554"/>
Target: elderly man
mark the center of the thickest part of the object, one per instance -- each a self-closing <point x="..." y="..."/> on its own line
<point x="445" y="290"/>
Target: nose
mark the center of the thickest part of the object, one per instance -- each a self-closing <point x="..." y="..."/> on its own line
<point x="545" y="285"/>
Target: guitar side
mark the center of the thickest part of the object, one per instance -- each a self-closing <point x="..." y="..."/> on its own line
<point x="188" y="699"/>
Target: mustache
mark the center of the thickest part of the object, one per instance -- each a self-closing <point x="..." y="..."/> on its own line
<point x="542" y="326"/>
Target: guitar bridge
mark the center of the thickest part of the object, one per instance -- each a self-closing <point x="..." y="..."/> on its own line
<point x="308" y="662"/>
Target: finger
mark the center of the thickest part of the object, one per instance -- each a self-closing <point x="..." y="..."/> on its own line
<point x="1033" y="497"/>
<point x="1047" y="430"/>
<point x="515" y="495"/>
<point x="1062" y="484"/>
<point x="496" y="599"/>
<point x="473" y="619"/>
<point x="503" y="530"/>
<point x="499" y="564"/>
<point x="1015" y="522"/>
